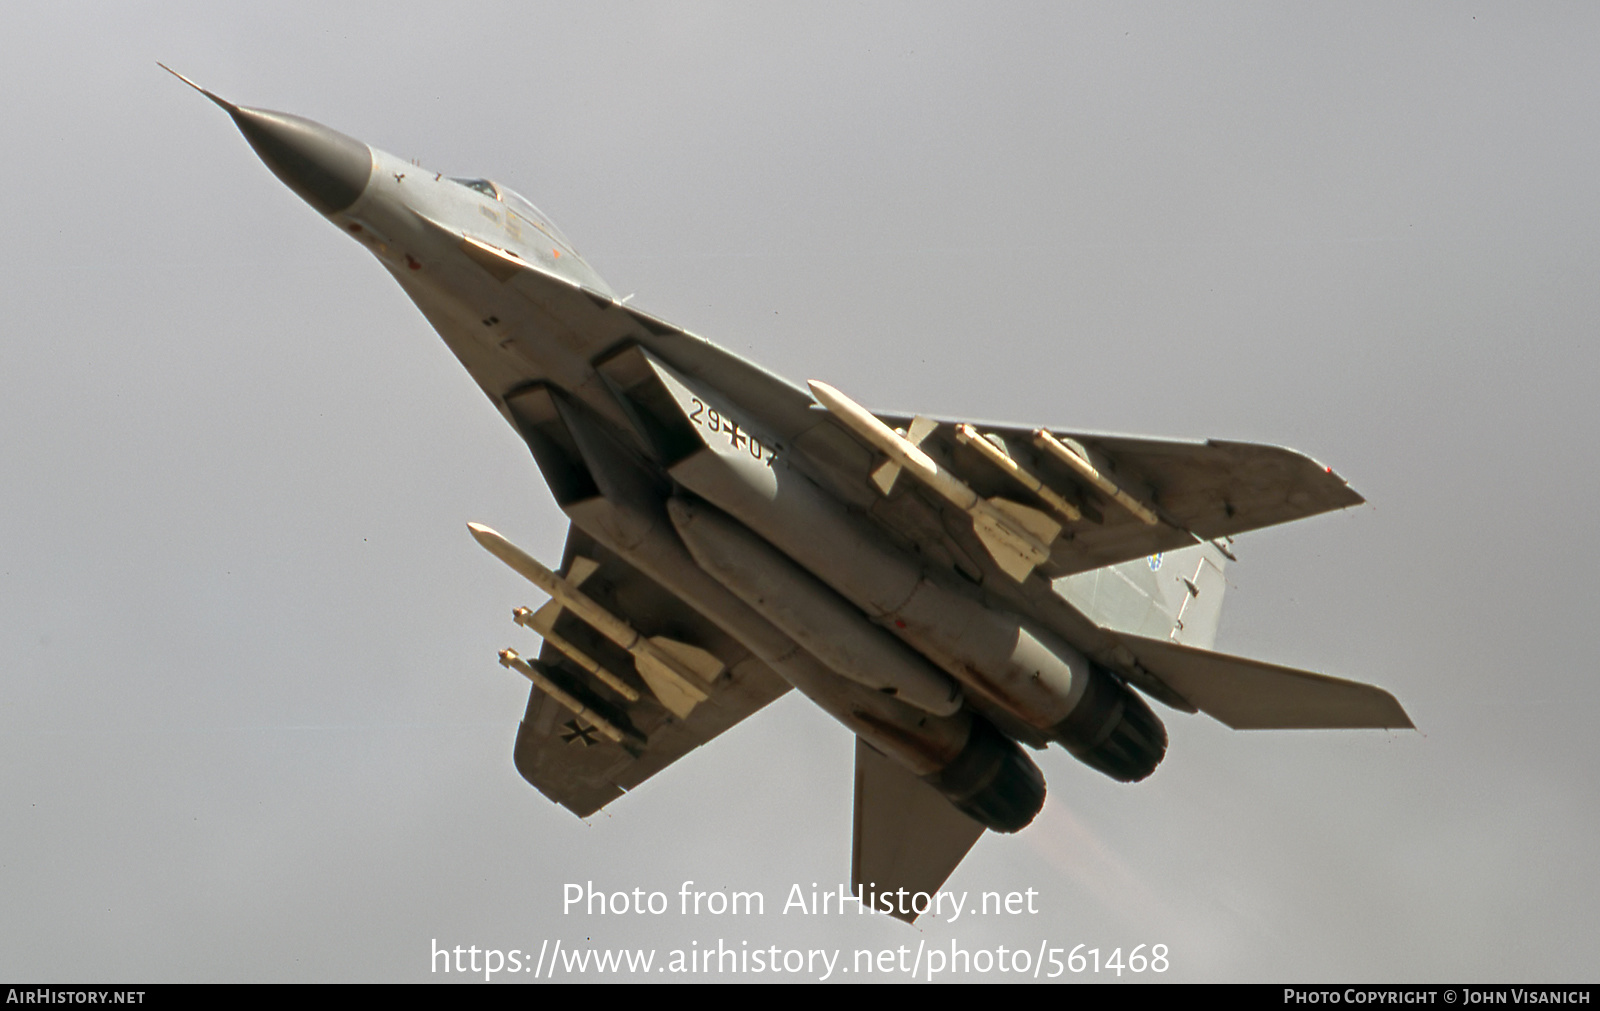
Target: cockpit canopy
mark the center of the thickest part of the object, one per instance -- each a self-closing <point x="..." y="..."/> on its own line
<point x="483" y="186"/>
<point x="516" y="204"/>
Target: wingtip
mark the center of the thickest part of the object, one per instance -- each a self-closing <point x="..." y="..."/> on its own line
<point x="1405" y="722"/>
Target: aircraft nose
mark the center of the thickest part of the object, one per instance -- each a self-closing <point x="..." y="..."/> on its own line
<point x="328" y="169"/>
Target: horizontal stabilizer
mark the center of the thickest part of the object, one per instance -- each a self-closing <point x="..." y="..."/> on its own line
<point x="907" y="835"/>
<point x="1251" y="695"/>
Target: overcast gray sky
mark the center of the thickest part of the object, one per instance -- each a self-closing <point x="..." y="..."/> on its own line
<point x="251" y="723"/>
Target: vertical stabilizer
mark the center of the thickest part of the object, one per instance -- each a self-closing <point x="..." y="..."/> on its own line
<point x="1175" y="595"/>
<point x="907" y="834"/>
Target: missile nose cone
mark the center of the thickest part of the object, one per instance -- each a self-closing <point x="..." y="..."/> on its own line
<point x="328" y="169"/>
<point x="489" y="539"/>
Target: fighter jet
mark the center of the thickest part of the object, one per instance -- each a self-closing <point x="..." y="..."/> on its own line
<point x="957" y="595"/>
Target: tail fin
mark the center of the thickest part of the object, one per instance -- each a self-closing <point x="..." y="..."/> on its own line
<point x="1175" y="595"/>
<point x="1166" y="609"/>
<point x="908" y="837"/>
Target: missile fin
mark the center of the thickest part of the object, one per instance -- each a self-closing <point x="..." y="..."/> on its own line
<point x="886" y="475"/>
<point x="1008" y="552"/>
<point x="1016" y="537"/>
<point x="701" y="664"/>
<point x="668" y="686"/>
<point x="889" y="471"/>
<point x="920" y="429"/>
<point x="581" y="569"/>
<point x="1036" y="523"/>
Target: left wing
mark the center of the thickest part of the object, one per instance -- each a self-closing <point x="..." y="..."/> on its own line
<point x="570" y="757"/>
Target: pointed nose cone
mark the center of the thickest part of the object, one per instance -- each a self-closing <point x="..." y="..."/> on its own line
<point x="328" y="169"/>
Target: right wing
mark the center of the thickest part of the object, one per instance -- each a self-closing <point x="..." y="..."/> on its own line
<point x="568" y="757"/>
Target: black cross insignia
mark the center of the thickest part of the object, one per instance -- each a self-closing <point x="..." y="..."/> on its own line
<point x="577" y="732"/>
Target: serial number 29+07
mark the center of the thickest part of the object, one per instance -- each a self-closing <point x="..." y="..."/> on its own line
<point x="716" y="421"/>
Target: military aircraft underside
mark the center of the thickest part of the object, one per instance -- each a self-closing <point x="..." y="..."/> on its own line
<point x="954" y="594"/>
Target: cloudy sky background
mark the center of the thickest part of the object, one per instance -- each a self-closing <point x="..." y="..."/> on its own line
<point x="251" y="723"/>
